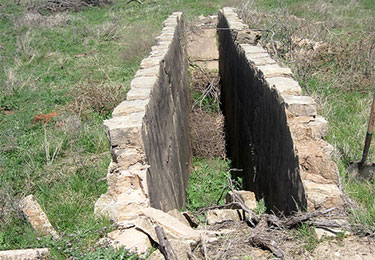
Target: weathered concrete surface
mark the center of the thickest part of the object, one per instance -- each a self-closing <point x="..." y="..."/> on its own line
<point x="150" y="147"/>
<point x="274" y="133"/>
<point x="37" y="217"/>
<point x="258" y="137"/>
<point x="166" y="131"/>
<point x="22" y="254"/>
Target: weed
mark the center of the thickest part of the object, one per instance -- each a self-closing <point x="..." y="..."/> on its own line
<point x="330" y="48"/>
<point x="307" y="235"/>
<point x="80" y="65"/>
<point x="261" y="207"/>
<point x="206" y="183"/>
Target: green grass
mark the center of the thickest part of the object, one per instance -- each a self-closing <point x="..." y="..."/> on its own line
<point x="206" y="183"/>
<point x="341" y="81"/>
<point x="307" y="235"/>
<point x="48" y="62"/>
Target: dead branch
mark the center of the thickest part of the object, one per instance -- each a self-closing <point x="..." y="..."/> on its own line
<point x="295" y="220"/>
<point x="165" y="246"/>
<point x="262" y="239"/>
<point x="237" y="200"/>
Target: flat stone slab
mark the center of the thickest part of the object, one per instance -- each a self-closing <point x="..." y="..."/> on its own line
<point x="252" y="49"/>
<point x="150" y="62"/>
<point x="285" y="85"/>
<point x="23" y="254"/>
<point x="37" y="217"/>
<point x="144" y="82"/>
<point x="138" y="93"/>
<point x="216" y="216"/>
<point x="128" y="107"/>
<point x="248" y="197"/>
<point x="131" y="239"/>
<point x="147" y="72"/>
<point x="274" y="70"/>
<point x="171" y="225"/>
<point x="261" y="60"/>
<point x="300" y="105"/>
<point x="202" y="45"/>
<point x="124" y="129"/>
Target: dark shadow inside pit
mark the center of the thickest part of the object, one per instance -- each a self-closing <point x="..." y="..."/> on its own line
<point x="258" y="139"/>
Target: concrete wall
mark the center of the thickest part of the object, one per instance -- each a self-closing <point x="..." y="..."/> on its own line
<point x="150" y="146"/>
<point x="166" y="130"/>
<point x="273" y="132"/>
<point x="258" y="136"/>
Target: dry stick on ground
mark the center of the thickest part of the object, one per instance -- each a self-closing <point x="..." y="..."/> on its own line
<point x="237" y="200"/>
<point x="165" y="246"/>
<point x="262" y="239"/>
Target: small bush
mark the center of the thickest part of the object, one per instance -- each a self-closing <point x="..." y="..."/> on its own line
<point x="207" y="134"/>
<point x="99" y="98"/>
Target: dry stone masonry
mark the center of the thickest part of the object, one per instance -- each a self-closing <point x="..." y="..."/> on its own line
<point x="274" y="135"/>
<point x="151" y="153"/>
<point x="274" y="132"/>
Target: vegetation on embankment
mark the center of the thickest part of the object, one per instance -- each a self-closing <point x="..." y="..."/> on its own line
<point x="78" y="63"/>
<point x="330" y="46"/>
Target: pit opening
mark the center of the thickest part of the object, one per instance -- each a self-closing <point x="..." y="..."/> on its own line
<point x="236" y="116"/>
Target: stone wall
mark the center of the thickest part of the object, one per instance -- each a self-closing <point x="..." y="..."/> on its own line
<point x="269" y="125"/>
<point x="148" y="133"/>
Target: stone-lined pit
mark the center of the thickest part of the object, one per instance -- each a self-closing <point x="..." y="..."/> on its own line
<point x="270" y="128"/>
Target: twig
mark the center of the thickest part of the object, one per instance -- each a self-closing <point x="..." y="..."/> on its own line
<point x="237" y="200"/>
<point x="204" y="246"/>
<point x="262" y="240"/>
<point x="165" y="246"/>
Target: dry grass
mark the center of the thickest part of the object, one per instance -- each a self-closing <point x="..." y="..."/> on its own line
<point x="206" y="119"/>
<point x="96" y="97"/>
<point x="207" y="134"/>
<point x="314" y="48"/>
<point x="68" y="5"/>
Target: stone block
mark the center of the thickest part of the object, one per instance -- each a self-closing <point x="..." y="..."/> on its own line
<point x="125" y="129"/>
<point x="138" y="93"/>
<point x="128" y="107"/>
<point x="132" y="239"/>
<point x="144" y="82"/>
<point x="150" y="62"/>
<point x="178" y="215"/>
<point x="285" y="85"/>
<point x="202" y="45"/>
<point x="252" y="49"/>
<point x="22" y="254"/>
<point x="118" y="211"/>
<point x="211" y="65"/>
<point x="37" y="217"/>
<point x="274" y="70"/>
<point x="148" y="72"/>
<point x="216" y="216"/>
<point x="172" y="226"/>
<point x="261" y="60"/>
<point x="257" y="55"/>
<point x="300" y="105"/>
<point x="322" y="195"/>
<point x="248" y="198"/>
<point x="124" y="182"/>
<point x="319" y="127"/>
